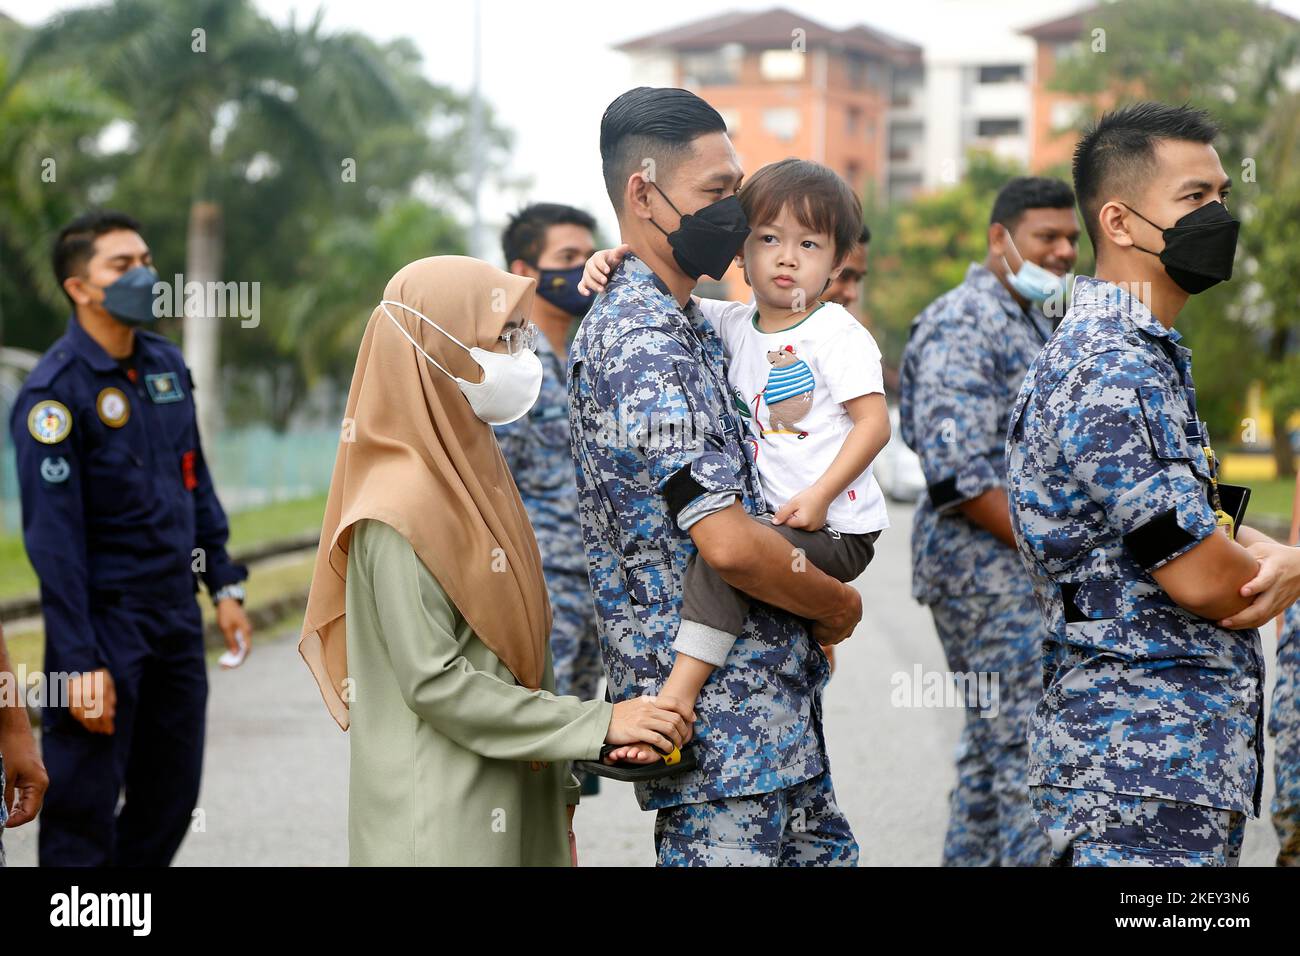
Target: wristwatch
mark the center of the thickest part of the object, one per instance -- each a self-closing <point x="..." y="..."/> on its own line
<point x="235" y="591"/>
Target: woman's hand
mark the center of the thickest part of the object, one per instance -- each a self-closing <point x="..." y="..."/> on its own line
<point x="1273" y="588"/>
<point x="662" y="722"/>
<point x="596" y="275"/>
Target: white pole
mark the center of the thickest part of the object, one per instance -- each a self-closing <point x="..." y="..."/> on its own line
<point x="476" y="247"/>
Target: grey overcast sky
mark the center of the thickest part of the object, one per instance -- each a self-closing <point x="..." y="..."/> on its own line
<point x="549" y="68"/>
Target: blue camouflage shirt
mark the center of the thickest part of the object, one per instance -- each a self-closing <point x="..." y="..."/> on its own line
<point x="1108" y="482"/>
<point x="536" y="447"/>
<point x="657" y="446"/>
<point x="966" y="357"/>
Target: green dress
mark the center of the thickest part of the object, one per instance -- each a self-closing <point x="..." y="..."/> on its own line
<point x="453" y="762"/>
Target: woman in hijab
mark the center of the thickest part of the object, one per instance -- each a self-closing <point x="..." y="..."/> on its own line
<point x="427" y="624"/>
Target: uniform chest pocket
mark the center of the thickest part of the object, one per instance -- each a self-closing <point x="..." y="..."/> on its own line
<point x="1167" y="421"/>
<point x="174" y="419"/>
<point x="550" y="459"/>
<point x="551" y="424"/>
<point x="115" y="478"/>
<point x="963" y="370"/>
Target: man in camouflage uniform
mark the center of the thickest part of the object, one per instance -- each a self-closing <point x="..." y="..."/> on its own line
<point x="662" y="470"/>
<point x="1145" y="749"/>
<point x="966" y="357"/>
<point x="551" y="243"/>
<point x="1284" y="725"/>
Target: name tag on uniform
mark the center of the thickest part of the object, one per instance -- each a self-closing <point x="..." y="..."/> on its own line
<point x="549" y="413"/>
<point x="164" y="387"/>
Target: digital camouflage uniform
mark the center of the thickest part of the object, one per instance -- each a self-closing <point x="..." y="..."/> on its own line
<point x="657" y="447"/>
<point x="966" y="357"/>
<point x="536" y="447"/>
<point x="1142" y="699"/>
<point x="1284" y="725"/>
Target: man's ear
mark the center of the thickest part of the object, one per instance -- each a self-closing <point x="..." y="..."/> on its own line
<point x="1110" y="218"/>
<point x="636" y="198"/>
<point x="521" y="268"/>
<point x="77" y="288"/>
<point x="997" y="239"/>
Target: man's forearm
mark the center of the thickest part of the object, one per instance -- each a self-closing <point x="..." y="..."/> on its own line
<point x="13" y="715"/>
<point x="991" y="512"/>
<point x="765" y="567"/>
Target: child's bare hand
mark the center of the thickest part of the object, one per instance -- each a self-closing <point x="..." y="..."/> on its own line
<point x="633" y="752"/>
<point x="806" y="510"/>
<point x="596" y="274"/>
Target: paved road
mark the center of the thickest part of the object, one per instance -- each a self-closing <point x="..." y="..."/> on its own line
<point x="275" y="782"/>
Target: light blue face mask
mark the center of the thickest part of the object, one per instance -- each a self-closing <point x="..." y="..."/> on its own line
<point x="1033" y="281"/>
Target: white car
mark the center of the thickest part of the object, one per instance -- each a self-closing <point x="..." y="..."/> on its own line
<point x="897" y="468"/>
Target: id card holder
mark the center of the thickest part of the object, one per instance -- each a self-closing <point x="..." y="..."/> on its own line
<point x="1234" y="499"/>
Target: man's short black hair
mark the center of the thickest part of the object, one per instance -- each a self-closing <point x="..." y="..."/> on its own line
<point x="525" y="235"/>
<point x="75" y="244"/>
<point x="1029" y="192"/>
<point x="1117" y="155"/>
<point x="651" y="123"/>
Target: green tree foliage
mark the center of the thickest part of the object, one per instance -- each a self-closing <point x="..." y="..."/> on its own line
<point x="921" y="249"/>
<point x="1229" y="57"/>
<point x="267" y="124"/>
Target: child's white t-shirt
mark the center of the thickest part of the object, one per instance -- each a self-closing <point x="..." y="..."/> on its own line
<point x="792" y="385"/>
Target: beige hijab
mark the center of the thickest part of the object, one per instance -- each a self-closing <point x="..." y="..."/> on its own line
<point x="415" y="456"/>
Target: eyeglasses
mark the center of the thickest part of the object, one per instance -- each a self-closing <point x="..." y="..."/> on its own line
<point x="524" y="337"/>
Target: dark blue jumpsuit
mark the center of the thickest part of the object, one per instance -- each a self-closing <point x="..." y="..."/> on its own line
<point x="119" y="520"/>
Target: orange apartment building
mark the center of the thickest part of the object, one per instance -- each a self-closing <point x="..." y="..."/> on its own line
<point x="787" y="85"/>
<point x="1054" y="117"/>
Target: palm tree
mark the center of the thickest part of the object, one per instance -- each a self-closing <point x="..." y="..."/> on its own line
<point x="196" y="76"/>
<point x="43" y="121"/>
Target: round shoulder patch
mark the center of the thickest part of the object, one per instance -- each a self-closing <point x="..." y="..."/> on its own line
<point x="49" y="422"/>
<point x="113" y="408"/>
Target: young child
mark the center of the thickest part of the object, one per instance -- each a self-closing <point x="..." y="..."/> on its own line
<point x="807" y="380"/>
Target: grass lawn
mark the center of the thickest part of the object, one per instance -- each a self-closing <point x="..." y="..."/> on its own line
<point x="248" y="528"/>
<point x="1271" y="497"/>
<point x="277" y="579"/>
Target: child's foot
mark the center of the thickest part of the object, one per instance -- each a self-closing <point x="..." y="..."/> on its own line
<point x="635" y="753"/>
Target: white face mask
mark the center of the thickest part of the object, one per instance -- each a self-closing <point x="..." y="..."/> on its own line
<point x="510" y="383"/>
<point x="1033" y="281"/>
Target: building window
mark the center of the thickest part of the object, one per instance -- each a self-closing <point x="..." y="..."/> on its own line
<point x="781" y="65"/>
<point x="856" y="66"/>
<point x="1066" y="50"/>
<point x="852" y="117"/>
<point x="732" y="119"/>
<point x="1064" y="115"/>
<point x="903" y="89"/>
<point x="1001" y="73"/>
<point x="997" y="127"/>
<point x="782" y="122"/>
<point x="720" y="67"/>
<point x="852" y="172"/>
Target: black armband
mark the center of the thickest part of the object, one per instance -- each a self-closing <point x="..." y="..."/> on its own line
<point x="681" y="489"/>
<point x="1158" y="540"/>
<point x="944" y="493"/>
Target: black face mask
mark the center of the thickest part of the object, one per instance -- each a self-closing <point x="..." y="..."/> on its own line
<point x="1199" y="248"/>
<point x="708" y="239"/>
